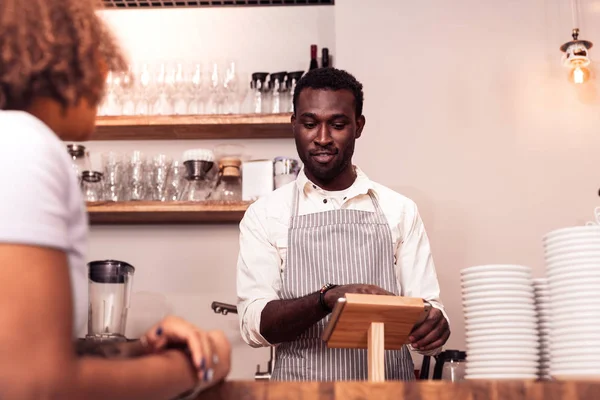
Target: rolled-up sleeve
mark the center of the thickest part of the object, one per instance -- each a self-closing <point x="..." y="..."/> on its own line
<point x="258" y="277"/>
<point x="415" y="265"/>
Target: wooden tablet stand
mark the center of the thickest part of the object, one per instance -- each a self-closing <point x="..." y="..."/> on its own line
<point x="376" y="323"/>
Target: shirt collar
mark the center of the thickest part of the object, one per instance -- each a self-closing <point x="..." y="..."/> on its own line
<point x="362" y="184"/>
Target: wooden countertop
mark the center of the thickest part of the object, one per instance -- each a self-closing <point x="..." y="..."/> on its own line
<point x="430" y="390"/>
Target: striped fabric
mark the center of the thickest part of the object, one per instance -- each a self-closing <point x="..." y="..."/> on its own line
<point x="341" y="247"/>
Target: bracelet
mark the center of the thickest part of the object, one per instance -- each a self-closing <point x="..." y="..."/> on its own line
<point x="322" y="292"/>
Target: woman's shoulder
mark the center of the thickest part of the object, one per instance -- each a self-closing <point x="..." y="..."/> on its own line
<point x="27" y="141"/>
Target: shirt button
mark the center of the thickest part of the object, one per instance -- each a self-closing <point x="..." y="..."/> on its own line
<point x="314" y="186"/>
<point x="345" y="198"/>
<point x="325" y="201"/>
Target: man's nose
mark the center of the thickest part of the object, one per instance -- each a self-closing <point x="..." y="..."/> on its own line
<point x="323" y="137"/>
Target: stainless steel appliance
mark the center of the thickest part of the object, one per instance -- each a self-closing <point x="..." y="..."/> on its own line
<point x="110" y="283"/>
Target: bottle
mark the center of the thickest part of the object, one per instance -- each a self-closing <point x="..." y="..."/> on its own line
<point x="313" y="58"/>
<point x="229" y="187"/>
<point x="325" y="58"/>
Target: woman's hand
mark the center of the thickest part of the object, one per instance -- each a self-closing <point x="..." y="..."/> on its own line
<point x="175" y="330"/>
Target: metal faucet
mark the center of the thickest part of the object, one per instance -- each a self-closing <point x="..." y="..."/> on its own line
<point x="224" y="308"/>
<point x="266" y="375"/>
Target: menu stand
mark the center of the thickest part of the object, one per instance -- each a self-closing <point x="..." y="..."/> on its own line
<point x="376" y="323"/>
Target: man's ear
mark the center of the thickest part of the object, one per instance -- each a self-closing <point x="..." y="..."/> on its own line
<point x="360" y="124"/>
<point x="293" y="121"/>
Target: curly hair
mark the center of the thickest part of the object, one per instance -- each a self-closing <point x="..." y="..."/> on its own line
<point x="331" y="79"/>
<point x="59" y="49"/>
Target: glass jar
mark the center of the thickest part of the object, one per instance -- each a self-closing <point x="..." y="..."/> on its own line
<point x="229" y="186"/>
<point x="91" y="186"/>
<point x="198" y="165"/>
<point x="454" y="367"/>
<point x="80" y="159"/>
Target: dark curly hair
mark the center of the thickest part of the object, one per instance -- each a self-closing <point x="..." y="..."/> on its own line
<point x="331" y="79"/>
<point x="58" y="49"/>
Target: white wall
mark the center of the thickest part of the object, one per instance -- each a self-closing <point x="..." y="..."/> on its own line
<point x="194" y="265"/>
<point x="469" y="113"/>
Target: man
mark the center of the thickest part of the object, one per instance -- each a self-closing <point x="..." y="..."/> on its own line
<point x="331" y="232"/>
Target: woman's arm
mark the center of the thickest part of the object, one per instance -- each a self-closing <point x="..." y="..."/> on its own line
<point x="38" y="361"/>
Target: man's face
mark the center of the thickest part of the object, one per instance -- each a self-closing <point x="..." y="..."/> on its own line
<point x="325" y="129"/>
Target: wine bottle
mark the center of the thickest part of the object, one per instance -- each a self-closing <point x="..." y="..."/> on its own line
<point x="313" y="58"/>
<point x="325" y="58"/>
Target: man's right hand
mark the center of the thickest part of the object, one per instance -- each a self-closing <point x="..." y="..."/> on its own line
<point x="332" y="295"/>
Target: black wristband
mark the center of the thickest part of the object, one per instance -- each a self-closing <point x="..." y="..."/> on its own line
<point x="322" y="292"/>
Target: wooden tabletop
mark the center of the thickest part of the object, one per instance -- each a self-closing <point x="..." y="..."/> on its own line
<point x="429" y="390"/>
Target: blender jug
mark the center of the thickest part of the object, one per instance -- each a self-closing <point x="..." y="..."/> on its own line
<point x="110" y="284"/>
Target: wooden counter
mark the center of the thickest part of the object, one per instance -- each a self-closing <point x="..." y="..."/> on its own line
<point x="430" y="390"/>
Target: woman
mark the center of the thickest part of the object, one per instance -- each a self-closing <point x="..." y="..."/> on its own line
<point x="54" y="59"/>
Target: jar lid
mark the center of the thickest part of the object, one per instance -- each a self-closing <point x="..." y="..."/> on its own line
<point x="91" y="176"/>
<point x="109" y="271"/>
<point x="76" y="150"/>
<point x="454" y="355"/>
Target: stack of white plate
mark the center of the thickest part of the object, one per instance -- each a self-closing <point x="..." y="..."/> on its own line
<point x="501" y="323"/>
<point x="542" y="305"/>
<point x="573" y="269"/>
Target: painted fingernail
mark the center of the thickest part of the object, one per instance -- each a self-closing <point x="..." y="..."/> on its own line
<point x="202" y="363"/>
<point x="215" y="359"/>
<point x="159" y="331"/>
<point x="208" y="375"/>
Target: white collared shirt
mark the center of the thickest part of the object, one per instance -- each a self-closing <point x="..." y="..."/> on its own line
<point x="264" y="242"/>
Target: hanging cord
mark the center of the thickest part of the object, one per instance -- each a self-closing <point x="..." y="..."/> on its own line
<point x="575" y="13"/>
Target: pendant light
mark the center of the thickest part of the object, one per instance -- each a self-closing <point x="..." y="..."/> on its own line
<point x="576" y="56"/>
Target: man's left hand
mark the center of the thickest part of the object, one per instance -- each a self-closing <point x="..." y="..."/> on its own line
<point x="432" y="333"/>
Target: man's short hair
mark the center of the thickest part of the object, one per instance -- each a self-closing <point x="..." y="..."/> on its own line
<point x="331" y="79"/>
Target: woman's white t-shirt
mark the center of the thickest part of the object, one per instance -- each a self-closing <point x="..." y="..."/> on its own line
<point x="40" y="201"/>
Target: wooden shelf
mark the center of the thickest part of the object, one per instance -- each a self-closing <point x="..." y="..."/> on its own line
<point x="156" y="212"/>
<point x="178" y="127"/>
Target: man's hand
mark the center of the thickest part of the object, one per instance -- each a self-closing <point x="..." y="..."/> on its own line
<point x="432" y="333"/>
<point x="332" y="295"/>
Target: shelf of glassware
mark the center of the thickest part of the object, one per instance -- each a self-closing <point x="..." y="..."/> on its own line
<point x="156" y="212"/>
<point x="178" y="127"/>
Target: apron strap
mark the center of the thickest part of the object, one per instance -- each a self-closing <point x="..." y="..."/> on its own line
<point x="378" y="208"/>
<point x="295" y="200"/>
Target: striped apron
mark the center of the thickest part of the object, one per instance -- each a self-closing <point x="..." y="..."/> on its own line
<point x="341" y="247"/>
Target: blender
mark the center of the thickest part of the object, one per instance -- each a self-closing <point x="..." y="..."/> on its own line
<point x="109" y="283"/>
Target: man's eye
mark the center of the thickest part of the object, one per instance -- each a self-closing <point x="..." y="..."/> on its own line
<point x="339" y="126"/>
<point x="309" y="125"/>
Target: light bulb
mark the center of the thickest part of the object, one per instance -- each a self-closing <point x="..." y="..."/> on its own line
<point x="579" y="75"/>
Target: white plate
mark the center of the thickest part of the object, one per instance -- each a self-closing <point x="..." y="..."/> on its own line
<point x="576" y="365"/>
<point x="492" y="287"/>
<point x="576" y="293"/>
<point x="593" y="240"/>
<point x="588" y="271"/>
<point x="558" y="330"/>
<point x="498" y="280"/>
<point x="574" y="359"/>
<point x="560" y="250"/>
<point x="502" y="364"/>
<point x="575" y="351"/>
<point x="495" y="338"/>
<point x="584" y="265"/>
<point x="503" y="351"/>
<point x="493" y="307"/>
<point x="506" y="358"/>
<point x="471" y="326"/>
<point x="500" y="370"/>
<point x="495" y="268"/>
<point x="474" y="332"/>
<point x="498" y="294"/>
<point x="509" y="376"/>
<point x="574" y="307"/>
<point x="509" y="301"/>
<point x="508" y="345"/>
<point x="587" y="257"/>
<point x="571" y="232"/>
<point x="522" y="313"/>
<point x="561" y="343"/>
